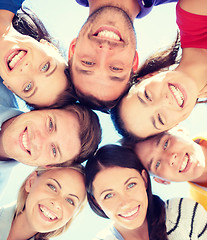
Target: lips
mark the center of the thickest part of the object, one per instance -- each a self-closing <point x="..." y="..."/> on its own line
<point x="14" y="58"/>
<point x="184" y="165"/>
<point x="47" y="214"/>
<point x="24" y="141"/>
<point x="129" y="215"/>
<point x="108" y="33"/>
<point x="178" y="95"/>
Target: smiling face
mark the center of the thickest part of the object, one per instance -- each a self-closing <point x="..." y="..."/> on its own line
<point x="121" y="193"/>
<point x="173" y="157"/>
<point x="32" y="70"/>
<point x="42" y="137"/>
<point x="158" y="103"/>
<point x="54" y="198"/>
<point x="103" y="55"/>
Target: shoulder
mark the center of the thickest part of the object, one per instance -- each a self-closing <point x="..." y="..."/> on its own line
<point x="105" y="234"/>
<point x="183" y="219"/>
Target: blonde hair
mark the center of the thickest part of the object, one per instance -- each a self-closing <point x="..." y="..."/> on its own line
<point x="23" y="194"/>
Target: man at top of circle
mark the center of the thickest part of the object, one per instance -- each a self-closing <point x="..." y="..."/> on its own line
<point x="103" y="56"/>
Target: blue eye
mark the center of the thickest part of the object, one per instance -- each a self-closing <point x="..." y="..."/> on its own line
<point x="131" y="185"/>
<point x="165" y="144"/>
<point x="45" y="67"/>
<point x="54" y="151"/>
<point x="88" y="63"/>
<point x="158" y="164"/>
<point x="52" y="187"/>
<point x="70" y="201"/>
<point x="28" y="87"/>
<point x="109" y="195"/>
<point x="50" y="124"/>
<point x="116" y="69"/>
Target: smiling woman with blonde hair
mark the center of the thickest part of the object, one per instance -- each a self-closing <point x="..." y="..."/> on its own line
<point x="48" y="200"/>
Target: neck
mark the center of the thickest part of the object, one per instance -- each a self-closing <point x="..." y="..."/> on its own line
<point x="131" y="7"/>
<point x="140" y="233"/>
<point x="19" y="223"/>
<point x="194" y="64"/>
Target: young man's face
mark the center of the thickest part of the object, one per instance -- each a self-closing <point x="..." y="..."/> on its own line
<point x="42" y="137"/>
<point x="172" y="156"/>
<point x="103" y="55"/>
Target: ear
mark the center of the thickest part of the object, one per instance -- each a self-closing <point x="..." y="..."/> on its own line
<point x="203" y="92"/>
<point x="30" y="181"/>
<point x="72" y="48"/>
<point x="159" y="180"/>
<point x="43" y="41"/>
<point x="145" y="177"/>
<point x="135" y="62"/>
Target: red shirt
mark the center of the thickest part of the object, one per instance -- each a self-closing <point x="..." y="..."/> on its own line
<point x="193" y="29"/>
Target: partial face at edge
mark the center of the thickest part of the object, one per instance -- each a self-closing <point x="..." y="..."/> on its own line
<point x="54" y="198"/>
<point x="173" y="157"/>
<point x="104" y="54"/>
<point x="42" y="137"/>
<point x="158" y="103"/>
<point x="32" y="70"/>
<point x="121" y="193"/>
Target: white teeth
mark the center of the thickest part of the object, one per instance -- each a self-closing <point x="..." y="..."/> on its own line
<point x="109" y="34"/>
<point x="184" y="164"/>
<point x="24" y="141"/>
<point x="129" y="214"/>
<point x="47" y="213"/>
<point x="178" y="95"/>
<point x="13" y="59"/>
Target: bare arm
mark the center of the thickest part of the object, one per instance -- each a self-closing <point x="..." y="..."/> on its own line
<point x="194" y="6"/>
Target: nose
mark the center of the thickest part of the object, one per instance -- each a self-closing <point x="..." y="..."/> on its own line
<point x="172" y="159"/>
<point x="124" y="200"/>
<point x="38" y="140"/>
<point x="56" y="204"/>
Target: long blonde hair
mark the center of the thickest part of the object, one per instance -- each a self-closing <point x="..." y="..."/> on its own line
<point x="23" y="194"/>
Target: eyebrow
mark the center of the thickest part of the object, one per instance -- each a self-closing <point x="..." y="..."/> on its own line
<point x="86" y="72"/>
<point x="50" y="73"/>
<point x="149" y="166"/>
<point x="119" y="79"/>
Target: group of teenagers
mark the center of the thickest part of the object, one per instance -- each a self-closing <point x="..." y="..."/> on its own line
<point x="61" y="133"/>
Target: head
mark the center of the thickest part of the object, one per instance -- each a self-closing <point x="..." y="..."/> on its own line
<point x="117" y="184"/>
<point x="157" y="103"/>
<point x="103" y="55"/>
<point x="31" y="66"/>
<point x="51" y="136"/>
<point x="50" y="198"/>
<point x="172" y="156"/>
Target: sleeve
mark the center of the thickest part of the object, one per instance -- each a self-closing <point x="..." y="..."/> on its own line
<point x="11" y="5"/>
<point x="186" y="219"/>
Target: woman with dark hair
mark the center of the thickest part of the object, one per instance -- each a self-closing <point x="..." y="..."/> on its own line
<point x="119" y="188"/>
<point x="159" y="100"/>
<point x="30" y="64"/>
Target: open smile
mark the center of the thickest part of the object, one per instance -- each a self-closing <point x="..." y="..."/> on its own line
<point x="108" y="33"/>
<point x="24" y="141"/>
<point x="132" y="214"/>
<point x="47" y="214"/>
<point x="178" y="95"/>
<point x="14" y="58"/>
<point x="185" y="164"/>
